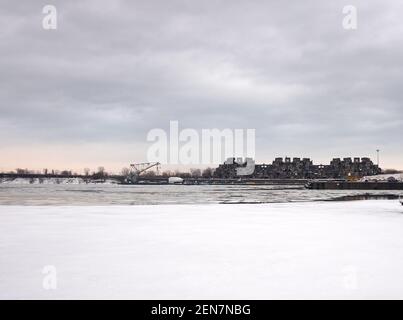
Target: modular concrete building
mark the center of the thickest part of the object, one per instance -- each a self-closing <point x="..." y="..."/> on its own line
<point x="298" y="168"/>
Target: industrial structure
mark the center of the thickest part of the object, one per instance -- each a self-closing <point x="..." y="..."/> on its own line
<point x="138" y="168"/>
<point x="297" y="168"/>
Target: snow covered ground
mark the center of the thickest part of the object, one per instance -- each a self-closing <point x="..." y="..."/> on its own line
<point x="290" y="250"/>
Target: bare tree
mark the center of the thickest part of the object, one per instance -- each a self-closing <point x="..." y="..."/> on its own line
<point x="149" y="174"/>
<point x="100" y="174"/>
<point x="66" y="173"/>
<point x="21" y="171"/>
<point x="125" y="172"/>
<point x="167" y="173"/>
<point x="207" y="173"/>
<point x="195" y="173"/>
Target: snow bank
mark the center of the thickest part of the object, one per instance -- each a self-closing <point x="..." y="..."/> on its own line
<point x="299" y="250"/>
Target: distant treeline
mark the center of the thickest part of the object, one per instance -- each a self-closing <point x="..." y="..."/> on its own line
<point x="19" y="172"/>
<point x="101" y="173"/>
<point x="391" y="171"/>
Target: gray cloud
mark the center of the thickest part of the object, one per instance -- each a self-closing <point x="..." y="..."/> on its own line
<point x="114" y="70"/>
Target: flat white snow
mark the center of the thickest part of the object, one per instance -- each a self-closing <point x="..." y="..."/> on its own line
<point x="271" y="251"/>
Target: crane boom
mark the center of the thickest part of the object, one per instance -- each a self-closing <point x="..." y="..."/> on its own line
<point x="137" y="168"/>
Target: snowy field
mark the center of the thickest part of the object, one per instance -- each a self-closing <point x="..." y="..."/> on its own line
<point x="270" y="251"/>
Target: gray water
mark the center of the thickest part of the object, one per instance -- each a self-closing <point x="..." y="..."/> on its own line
<point x="102" y="194"/>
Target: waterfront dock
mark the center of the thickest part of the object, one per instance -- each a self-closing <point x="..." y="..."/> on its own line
<point x="352" y="185"/>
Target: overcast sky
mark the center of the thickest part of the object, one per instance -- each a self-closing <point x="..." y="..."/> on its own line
<point x="87" y="93"/>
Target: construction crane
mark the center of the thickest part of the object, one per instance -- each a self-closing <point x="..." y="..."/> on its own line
<point x="138" y="168"/>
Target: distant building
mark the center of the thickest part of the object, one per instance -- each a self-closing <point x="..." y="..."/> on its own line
<point x="299" y="169"/>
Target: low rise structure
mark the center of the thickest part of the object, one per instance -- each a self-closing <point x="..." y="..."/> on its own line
<point x="298" y="168"/>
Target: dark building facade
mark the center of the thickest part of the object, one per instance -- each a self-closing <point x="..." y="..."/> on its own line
<point x="297" y="168"/>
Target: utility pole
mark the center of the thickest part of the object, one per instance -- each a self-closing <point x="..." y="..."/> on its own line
<point x="377" y="154"/>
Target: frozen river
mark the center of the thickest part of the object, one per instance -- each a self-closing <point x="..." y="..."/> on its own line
<point x="198" y="242"/>
<point x="342" y="250"/>
<point x="104" y="194"/>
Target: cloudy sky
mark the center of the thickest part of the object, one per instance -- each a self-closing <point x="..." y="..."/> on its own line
<point x="87" y="93"/>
